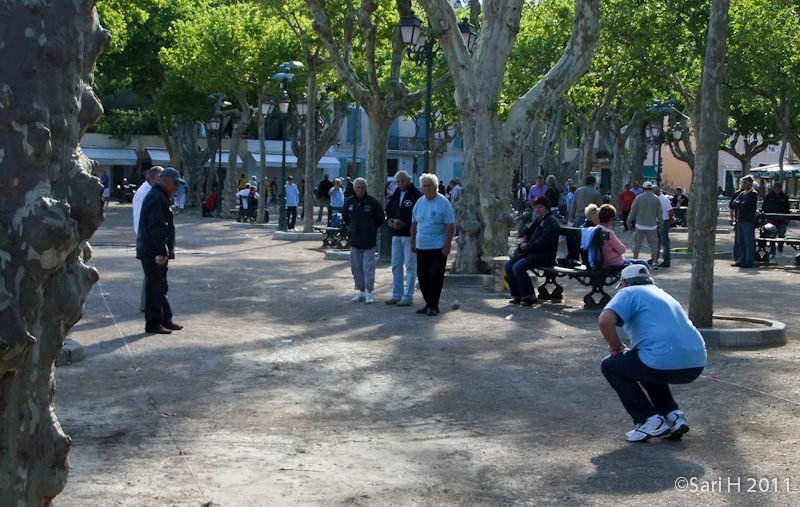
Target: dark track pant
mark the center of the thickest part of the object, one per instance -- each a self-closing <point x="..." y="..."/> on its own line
<point x="157" y="311"/>
<point x="430" y="273"/>
<point x="291" y="216"/>
<point x="628" y="375"/>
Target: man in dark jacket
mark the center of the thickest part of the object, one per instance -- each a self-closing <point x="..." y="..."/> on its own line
<point x="155" y="245"/>
<point x="323" y="190"/>
<point x="363" y="214"/>
<point x="538" y="249"/>
<point x="776" y="202"/>
<point x="398" y="213"/>
<point x="744" y="244"/>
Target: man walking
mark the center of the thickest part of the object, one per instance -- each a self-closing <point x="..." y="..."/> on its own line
<point x="404" y="263"/>
<point x="626" y="199"/>
<point x="155" y="245"/>
<point x="647" y="213"/>
<point x="584" y="196"/>
<point x="363" y="214"/>
<point x="744" y="243"/>
<point x="668" y="217"/>
<point x="150" y="179"/>
<point x="666" y="349"/>
<point x="323" y="194"/>
<point x="292" y="201"/>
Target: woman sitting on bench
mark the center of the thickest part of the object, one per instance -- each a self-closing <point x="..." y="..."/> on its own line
<point x="613" y="249"/>
<point x="537" y="248"/>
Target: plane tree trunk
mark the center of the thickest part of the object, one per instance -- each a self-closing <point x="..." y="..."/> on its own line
<point x="51" y="206"/>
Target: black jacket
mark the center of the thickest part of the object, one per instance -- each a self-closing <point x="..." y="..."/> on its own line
<point x="324" y="187"/>
<point x="402" y="211"/>
<point x="156" y="226"/>
<point x="746" y="203"/>
<point x="363" y="219"/>
<point x="542" y="241"/>
<point x="774" y="203"/>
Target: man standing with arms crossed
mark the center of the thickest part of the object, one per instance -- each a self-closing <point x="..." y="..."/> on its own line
<point x="398" y="211"/>
<point x="150" y="179"/>
<point x="155" y="245"/>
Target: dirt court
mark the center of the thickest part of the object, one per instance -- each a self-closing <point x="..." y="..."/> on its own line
<point x="281" y="392"/>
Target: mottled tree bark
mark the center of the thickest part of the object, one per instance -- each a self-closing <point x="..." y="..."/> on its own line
<point x="185" y="136"/>
<point x="50" y="207"/>
<point x="478" y="79"/>
<point x="704" y="197"/>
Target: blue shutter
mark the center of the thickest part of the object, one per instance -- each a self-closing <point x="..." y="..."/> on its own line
<point x="458" y="142"/>
<point x="343" y="168"/>
<point x="394" y="130"/>
<point x="458" y="169"/>
<point x="421" y="128"/>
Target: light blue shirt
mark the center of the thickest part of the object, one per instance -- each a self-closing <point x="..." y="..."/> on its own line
<point x="181" y="189"/>
<point x="337" y="197"/>
<point x="432" y="217"/>
<point x="659" y="328"/>
<point x="292" y="194"/>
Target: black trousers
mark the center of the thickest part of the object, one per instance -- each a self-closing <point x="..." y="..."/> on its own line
<point x="430" y="273"/>
<point x="291" y="216"/>
<point x="157" y="311"/>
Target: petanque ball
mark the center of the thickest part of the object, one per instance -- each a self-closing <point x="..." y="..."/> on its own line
<point x="455" y="305"/>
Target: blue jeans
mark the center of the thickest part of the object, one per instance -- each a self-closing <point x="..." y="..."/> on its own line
<point x="781" y="234"/>
<point x="744" y="244"/>
<point x="403" y="260"/>
<point x="517" y="277"/>
<point x="628" y="375"/>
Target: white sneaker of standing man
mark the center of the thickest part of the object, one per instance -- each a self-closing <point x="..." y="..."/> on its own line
<point x="361" y="296"/>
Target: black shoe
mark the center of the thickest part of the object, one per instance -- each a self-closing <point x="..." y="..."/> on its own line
<point x="432" y="312"/>
<point x="736" y="265"/>
<point x="423" y="310"/>
<point x="516" y="301"/>
<point x="528" y="302"/>
<point x="158" y="330"/>
<point x="664" y="265"/>
<point x="746" y="266"/>
<point x="173" y="326"/>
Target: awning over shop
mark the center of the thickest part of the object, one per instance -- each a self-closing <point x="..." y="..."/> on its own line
<point x="328" y="163"/>
<point x="224" y="160"/>
<point x="771" y="171"/>
<point x="111" y="156"/>
<point x="158" y="156"/>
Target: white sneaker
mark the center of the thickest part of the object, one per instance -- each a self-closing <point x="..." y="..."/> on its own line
<point x="655" y="426"/>
<point x="369" y="299"/>
<point x="677" y="424"/>
<point x="361" y="296"/>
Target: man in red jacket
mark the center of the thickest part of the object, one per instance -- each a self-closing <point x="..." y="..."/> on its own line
<point x="626" y="201"/>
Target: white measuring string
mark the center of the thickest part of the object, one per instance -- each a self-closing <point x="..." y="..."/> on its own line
<point x="150" y="396"/>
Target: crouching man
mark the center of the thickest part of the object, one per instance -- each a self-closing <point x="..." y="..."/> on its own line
<point x="665" y="349"/>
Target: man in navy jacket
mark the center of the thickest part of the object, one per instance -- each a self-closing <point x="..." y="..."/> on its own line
<point x="398" y="213"/>
<point x="363" y="214"/>
<point x="155" y="245"/>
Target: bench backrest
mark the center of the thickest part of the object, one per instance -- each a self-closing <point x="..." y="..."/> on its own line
<point x="573" y="236"/>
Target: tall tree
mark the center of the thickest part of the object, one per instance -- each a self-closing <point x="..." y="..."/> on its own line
<point x="492" y="144"/>
<point x="232" y="49"/>
<point x="701" y="289"/>
<point x="51" y="207"/>
<point x="366" y="51"/>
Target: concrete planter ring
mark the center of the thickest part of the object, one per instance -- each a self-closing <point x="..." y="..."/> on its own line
<point x="732" y="332"/>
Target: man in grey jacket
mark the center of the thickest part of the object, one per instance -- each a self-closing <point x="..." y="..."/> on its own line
<point x="646" y="212"/>
<point x="584" y="196"/>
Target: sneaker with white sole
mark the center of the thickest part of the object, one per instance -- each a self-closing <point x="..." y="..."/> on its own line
<point x="361" y="296"/>
<point x="655" y="426"/>
<point x="369" y="299"/>
<point x="677" y="424"/>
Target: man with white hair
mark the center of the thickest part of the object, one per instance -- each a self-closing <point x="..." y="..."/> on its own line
<point x="665" y="349"/>
<point x="648" y="215"/>
<point x="404" y="263"/>
<point x="363" y="215"/>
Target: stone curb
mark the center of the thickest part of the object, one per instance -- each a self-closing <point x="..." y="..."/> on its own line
<point x="297" y="236"/>
<point x="250" y="225"/>
<point x="72" y="352"/>
<point x="773" y="334"/>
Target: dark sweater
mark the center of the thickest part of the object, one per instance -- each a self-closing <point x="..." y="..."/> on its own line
<point x="156" y="227"/>
<point x="363" y="219"/>
<point x="402" y="211"/>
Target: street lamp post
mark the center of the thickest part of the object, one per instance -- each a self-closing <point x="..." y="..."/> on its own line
<point x="285" y="75"/>
<point x="423" y="50"/>
<point x="655" y="131"/>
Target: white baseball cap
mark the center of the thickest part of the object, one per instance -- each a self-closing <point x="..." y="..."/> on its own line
<point x="633" y="272"/>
